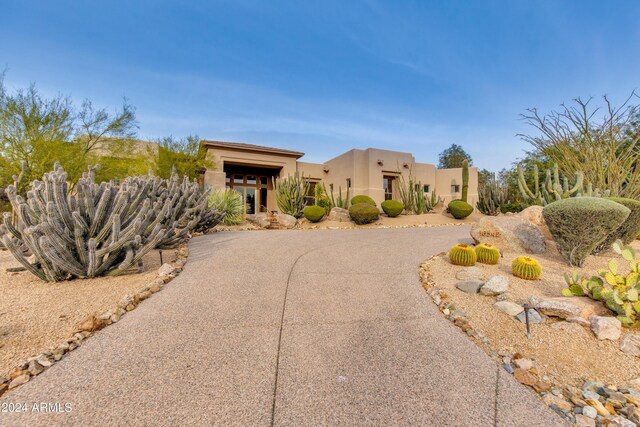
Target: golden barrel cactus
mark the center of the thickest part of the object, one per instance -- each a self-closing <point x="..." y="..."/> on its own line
<point x="487" y="254"/>
<point x="526" y="268"/>
<point x="462" y="255"/>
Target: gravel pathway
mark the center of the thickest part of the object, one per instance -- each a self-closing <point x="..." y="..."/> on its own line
<point x="287" y="328"/>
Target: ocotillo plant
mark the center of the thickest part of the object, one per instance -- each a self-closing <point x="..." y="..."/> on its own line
<point x="290" y="194"/>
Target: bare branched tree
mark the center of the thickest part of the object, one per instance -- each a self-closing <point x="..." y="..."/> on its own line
<point x="606" y="149"/>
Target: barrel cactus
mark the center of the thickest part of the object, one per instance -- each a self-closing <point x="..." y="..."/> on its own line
<point x="392" y="208"/>
<point x="462" y="254"/>
<point x="526" y="268"/>
<point x="460" y="209"/>
<point x="487" y="254"/>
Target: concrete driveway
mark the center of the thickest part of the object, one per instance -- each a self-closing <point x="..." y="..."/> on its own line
<point x="288" y="328"/>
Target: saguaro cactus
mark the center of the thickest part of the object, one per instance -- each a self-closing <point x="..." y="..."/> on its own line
<point x="465" y="179"/>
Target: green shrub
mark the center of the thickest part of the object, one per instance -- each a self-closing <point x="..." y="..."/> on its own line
<point x="322" y="199"/>
<point x="629" y="229"/>
<point x="580" y="224"/>
<point x="363" y="199"/>
<point x="314" y="213"/>
<point x="230" y="202"/>
<point x="392" y="208"/>
<point x="460" y="209"/>
<point x="511" y="207"/>
<point x="363" y="213"/>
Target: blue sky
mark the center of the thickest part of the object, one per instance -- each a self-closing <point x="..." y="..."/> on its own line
<point x="324" y="77"/>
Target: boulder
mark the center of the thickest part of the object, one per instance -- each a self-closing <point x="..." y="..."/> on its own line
<point x="287" y="221"/>
<point x="511" y="308"/>
<point x="510" y="233"/>
<point x="470" y="286"/>
<point x="631" y="344"/>
<point x="260" y="219"/>
<point x="558" y="308"/>
<point x="496" y="285"/>
<point x="339" y="214"/>
<point x="606" y="328"/>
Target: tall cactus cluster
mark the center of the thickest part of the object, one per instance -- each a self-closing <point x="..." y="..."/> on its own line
<point x="491" y="195"/>
<point x="465" y="179"/>
<point x="554" y="187"/>
<point x="100" y="229"/>
<point x="290" y="194"/>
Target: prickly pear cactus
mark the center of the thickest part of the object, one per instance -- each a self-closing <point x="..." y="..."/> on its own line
<point x="618" y="292"/>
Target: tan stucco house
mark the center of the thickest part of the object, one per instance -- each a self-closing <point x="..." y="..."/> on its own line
<point x="373" y="172"/>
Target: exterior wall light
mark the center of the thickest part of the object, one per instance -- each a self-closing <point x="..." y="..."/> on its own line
<point x="405" y="165"/>
<point x="325" y="169"/>
<point x="380" y="162"/>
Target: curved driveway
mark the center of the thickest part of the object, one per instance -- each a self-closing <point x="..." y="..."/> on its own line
<point x="321" y="327"/>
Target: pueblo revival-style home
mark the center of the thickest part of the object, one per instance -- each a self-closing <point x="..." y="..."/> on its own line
<point x="250" y="169"/>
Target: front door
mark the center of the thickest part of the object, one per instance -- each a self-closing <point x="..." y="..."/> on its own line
<point x="387" y="182"/>
<point x="253" y="190"/>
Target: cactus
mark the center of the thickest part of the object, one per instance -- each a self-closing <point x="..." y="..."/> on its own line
<point x="290" y="194"/>
<point x="340" y="202"/>
<point x="460" y="209"/>
<point x="555" y="187"/>
<point x="462" y="254"/>
<point x="102" y="229"/>
<point x="618" y="292"/>
<point x="465" y="179"/>
<point x="490" y="197"/>
<point x="487" y="254"/>
<point x="526" y="268"/>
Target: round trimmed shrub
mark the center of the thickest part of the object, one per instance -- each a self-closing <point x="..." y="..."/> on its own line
<point x="511" y="207"/>
<point x="363" y="199"/>
<point x="629" y="229"/>
<point x="460" y="209"/>
<point x="526" y="268"/>
<point x="462" y="254"/>
<point x="487" y="254"/>
<point x="363" y="213"/>
<point x="392" y="208"/>
<point x="579" y="224"/>
<point x="314" y="213"/>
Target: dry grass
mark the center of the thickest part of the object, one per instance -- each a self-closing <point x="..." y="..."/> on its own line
<point x="567" y="358"/>
<point x="35" y="316"/>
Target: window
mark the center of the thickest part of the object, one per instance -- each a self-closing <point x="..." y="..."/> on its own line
<point x="348" y="182"/>
<point x="387" y="184"/>
<point x="310" y="197"/>
<point x="426" y="188"/>
<point x="251" y="179"/>
<point x="455" y="188"/>
<point x="238" y="179"/>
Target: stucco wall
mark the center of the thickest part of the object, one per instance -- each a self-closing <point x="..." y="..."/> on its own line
<point x="445" y="178"/>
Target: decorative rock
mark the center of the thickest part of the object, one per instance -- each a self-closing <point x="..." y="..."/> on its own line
<point x="496" y="285"/>
<point x="558" y="308"/>
<point x="470" y="286"/>
<point x="589" y="394"/>
<point x="35" y="368"/>
<point x="114" y="318"/>
<point x="631" y="344"/>
<point x="165" y="269"/>
<point x="525" y="377"/>
<point x="507" y="367"/>
<point x="504" y="297"/>
<point x="590" y="412"/>
<point x="511" y="234"/>
<point x="22" y="379"/>
<point x="584" y="421"/>
<point x="606" y="328"/>
<point x="45" y="362"/>
<point x="260" y="219"/>
<point x="534" y="317"/>
<point x="90" y="324"/>
<point x="287" y="221"/>
<point x="619" y="421"/>
<point x="525" y="364"/>
<point x="600" y="409"/>
<point x="511" y="308"/>
<point x="469" y="273"/>
<point x="339" y="214"/>
<point x="562" y="404"/>
<point x="154" y="289"/>
<point x="579" y="320"/>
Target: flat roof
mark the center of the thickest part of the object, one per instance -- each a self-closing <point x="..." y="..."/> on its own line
<point x="239" y="146"/>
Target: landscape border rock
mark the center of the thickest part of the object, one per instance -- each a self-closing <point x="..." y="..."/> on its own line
<point x="35" y="365"/>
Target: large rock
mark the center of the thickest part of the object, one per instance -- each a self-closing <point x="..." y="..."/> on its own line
<point x="558" y="308"/>
<point x="287" y="221"/>
<point x="510" y="233"/>
<point x="511" y="308"/>
<point x="339" y="214"/>
<point x="260" y="219"/>
<point x="606" y="328"/>
<point x="496" y="285"/>
<point x="631" y="344"/>
<point x="470" y="286"/>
